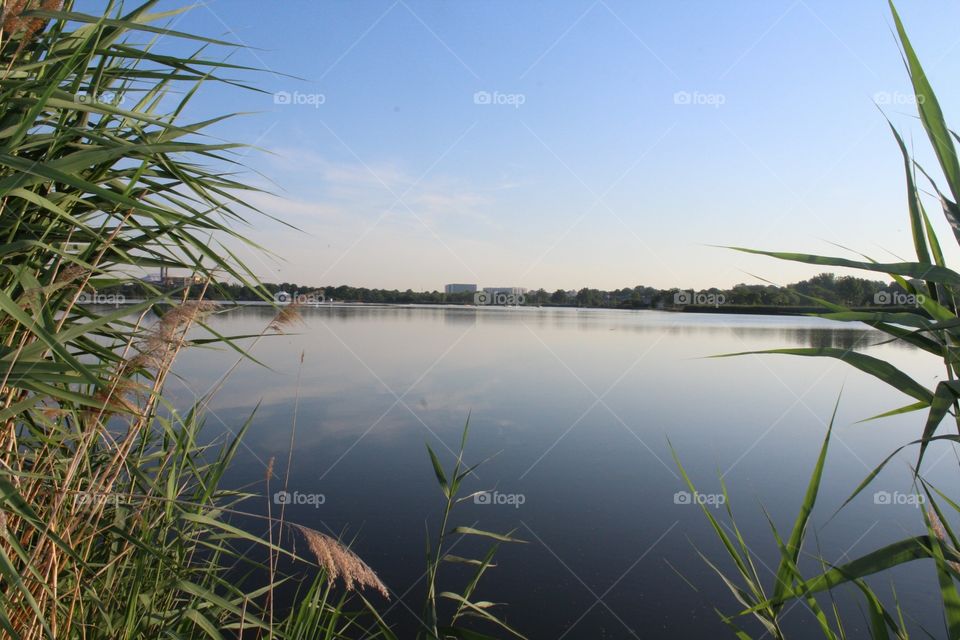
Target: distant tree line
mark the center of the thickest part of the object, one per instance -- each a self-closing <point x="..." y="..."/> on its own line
<point x="844" y="290"/>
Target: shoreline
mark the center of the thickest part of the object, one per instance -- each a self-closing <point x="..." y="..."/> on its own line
<point x="759" y="310"/>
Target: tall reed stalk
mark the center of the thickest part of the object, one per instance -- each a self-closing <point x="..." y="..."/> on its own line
<point x="934" y="328"/>
<point x="112" y="521"/>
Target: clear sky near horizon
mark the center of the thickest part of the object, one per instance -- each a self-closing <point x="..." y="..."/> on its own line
<point x="573" y="143"/>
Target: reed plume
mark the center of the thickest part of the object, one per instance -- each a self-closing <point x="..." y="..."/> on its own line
<point x="13" y="20"/>
<point x="339" y="562"/>
<point x="70" y="274"/>
<point x="285" y="317"/>
<point x="166" y="336"/>
<point x="941" y="534"/>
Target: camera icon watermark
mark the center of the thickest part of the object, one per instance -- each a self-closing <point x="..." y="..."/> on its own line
<point x="697" y="98"/>
<point x="699" y="298"/>
<point x="515" y="100"/>
<point x="899" y="498"/>
<point x="702" y="499"/>
<point x="897" y="98"/>
<point x="312" y="298"/>
<point x="500" y="298"/>
<point x="298" y="98"/>
<point x="92" y="297"/>
<point x="496" y="498"/>
<point x="111" y="98"/>
<point x="97" y="500"/>
<point x="899" y="298"/>
<point x="297" y="498"/>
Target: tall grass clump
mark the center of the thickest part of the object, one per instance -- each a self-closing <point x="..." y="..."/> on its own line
<point x="112" y="521"/>
<point x="934" y="327"/>
<point x="464" y="611"/>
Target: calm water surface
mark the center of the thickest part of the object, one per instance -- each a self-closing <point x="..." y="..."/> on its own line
<point x="579" y="407"/>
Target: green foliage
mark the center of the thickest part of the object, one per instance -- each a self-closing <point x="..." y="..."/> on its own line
<point x="465" y="608"/>
<point x="112" y="521"/>
<point x="932" y="326"/>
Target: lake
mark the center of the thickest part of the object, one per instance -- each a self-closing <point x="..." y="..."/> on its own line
<point x="580" y="409"/>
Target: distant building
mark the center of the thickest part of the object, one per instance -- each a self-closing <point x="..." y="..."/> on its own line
<point x="460" y="288"/>
<point x="166" y="280"/>
<point x="183" y="281"/>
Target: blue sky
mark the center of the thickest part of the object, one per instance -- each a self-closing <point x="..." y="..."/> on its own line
<point x="572" y="143"/>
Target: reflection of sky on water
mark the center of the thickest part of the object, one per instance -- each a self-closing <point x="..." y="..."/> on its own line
<point x="579" y="405"/>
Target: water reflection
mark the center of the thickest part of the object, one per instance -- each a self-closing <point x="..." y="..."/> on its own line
<point x="791" y="330"/>
<point x="575" y="407"/>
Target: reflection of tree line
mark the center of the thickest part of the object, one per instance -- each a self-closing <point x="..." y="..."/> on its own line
<point x="842" y="337"/>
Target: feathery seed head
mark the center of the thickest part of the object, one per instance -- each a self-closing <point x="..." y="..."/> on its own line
<point x="941" y="533"/>
<point x="285" y="317"/>
<point x="161" y="340"/>
<point x="13" y="21"/>
<point x="339" y="562"/>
